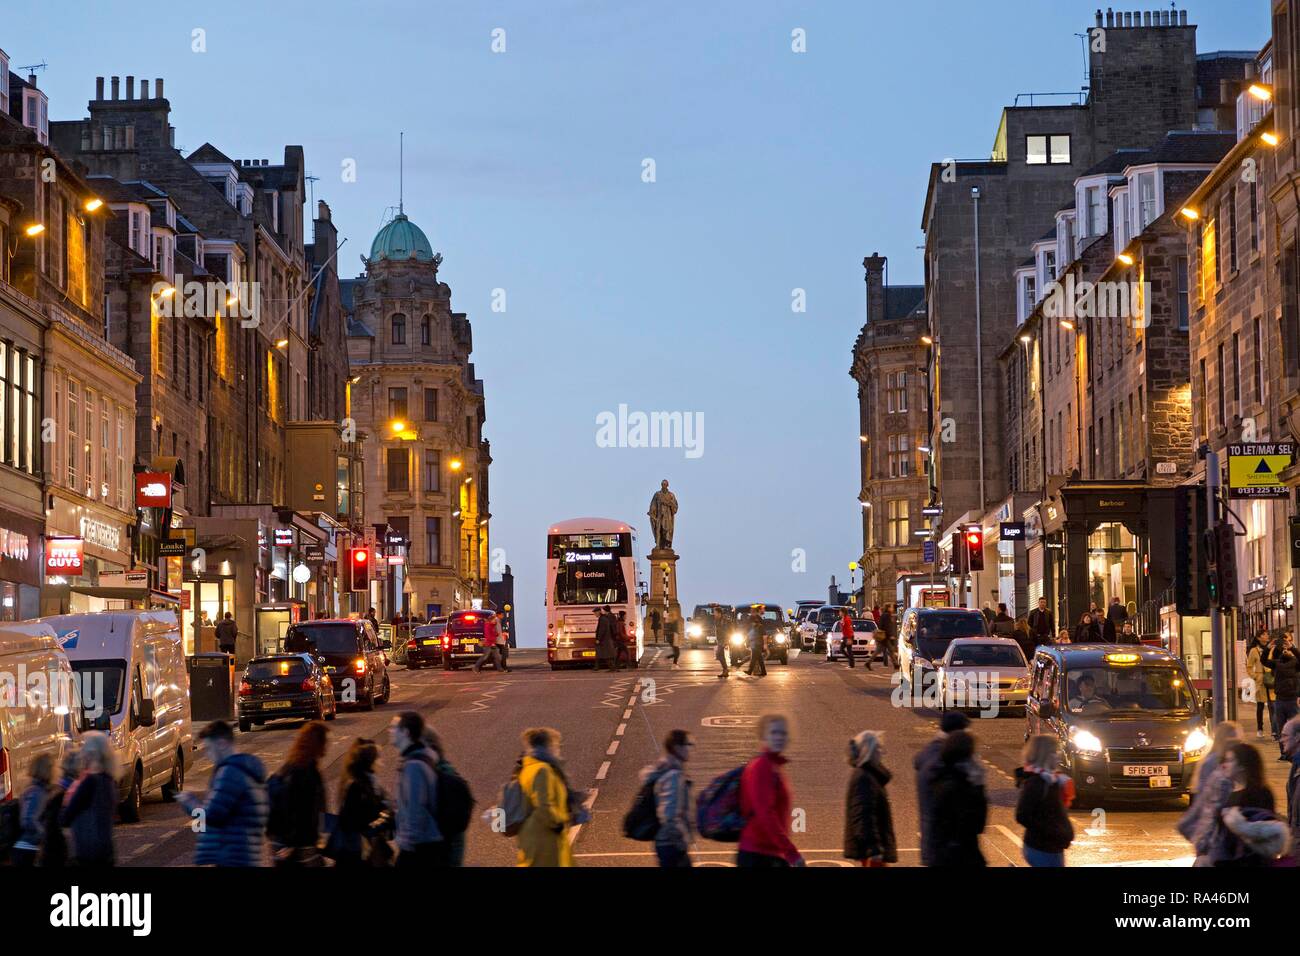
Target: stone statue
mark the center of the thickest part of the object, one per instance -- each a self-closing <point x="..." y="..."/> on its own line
<point x="663" y="510"/>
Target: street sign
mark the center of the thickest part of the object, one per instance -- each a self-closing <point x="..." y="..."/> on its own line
<point x="1011" y="530"/>
<point x="927" y="552"/>
<point x="64" y="556"/>
<point x="172" y="548"/>
<point x="153" y="489"/>
<point x="932" y="511"/>
<point x="1255" y="469"/>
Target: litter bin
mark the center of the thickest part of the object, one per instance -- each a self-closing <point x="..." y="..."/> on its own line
<point x="212" y="686"/>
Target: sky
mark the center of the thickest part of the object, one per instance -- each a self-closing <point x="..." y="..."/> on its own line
<point x="772" y="174"/>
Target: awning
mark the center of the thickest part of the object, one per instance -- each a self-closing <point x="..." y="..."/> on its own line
<point x="171" y="465"/>
<point x="126" y="594"/>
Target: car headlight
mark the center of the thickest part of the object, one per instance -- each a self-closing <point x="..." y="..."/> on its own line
<point x="1197" y="743"/>
<point x="738" y="638"/>
<point x="780" y="638"/>
<point x="1085" y="741"/>
<point x="695" y="630"/>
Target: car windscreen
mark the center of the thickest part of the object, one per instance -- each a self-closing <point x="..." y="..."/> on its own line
<point x="322" y="639"/>
<point x="1118" y="689"/>
<point x="470" y="624"/>
<point x="269" y="670"/>
<point x="101" y="684"/>
<point x="935" y="631"/>
<point x="987" y="655"/>
<point x="862" y="624"/>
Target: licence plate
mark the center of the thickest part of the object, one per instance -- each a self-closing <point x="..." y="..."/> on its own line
<point x="469" y="643"/>
<point x="588" y="653"/>
<point x="1158" y="783"/>
<point x="270" y="704"/>
<point x="1147" y="770"/>
<point x="429" y="643"/>
<point x="331" y="670"/>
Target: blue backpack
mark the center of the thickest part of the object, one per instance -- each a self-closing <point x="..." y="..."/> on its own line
<point x="717" y="813"/>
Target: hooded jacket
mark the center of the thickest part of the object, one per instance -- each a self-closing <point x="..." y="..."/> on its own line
<point x="234" y="812"/>
<point x="417" y="799"/>
<point x="673" y="802"/>
<point x="1040" y="809"/>
<point x="543" y="837"/>
<point x="88" y="810"/>
<point x="960" y="810"/>
<point x="868" y="818"/>
<point x="1286" y="673"/>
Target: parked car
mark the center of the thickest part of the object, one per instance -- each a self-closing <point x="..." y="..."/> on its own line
<point x="864" y="641"/>
<point x="924" y="634"/>
<point x="285" y="686"/>
<point x="424" y="647"/>
<point x="353" y="657"/>
<point x="977" y="668"/>
<point x="1126" y="715"/>
<point x="136" y="688"/>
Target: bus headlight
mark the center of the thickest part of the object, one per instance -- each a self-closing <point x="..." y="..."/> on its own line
<point x="737" y="638"/>
<point x="1086" y="742"/>
<point x="1197" y="743"/>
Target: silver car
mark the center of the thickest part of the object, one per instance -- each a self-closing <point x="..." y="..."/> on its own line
<point x="974" y="671"/>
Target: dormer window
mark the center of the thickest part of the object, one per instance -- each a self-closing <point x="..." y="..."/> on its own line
<point x="1121" y="218"/>
<point x="1148" y="202"/>
<point x="4" y="82"/>
<point x="36" y="114"/>
<point x="1047" y="150"/>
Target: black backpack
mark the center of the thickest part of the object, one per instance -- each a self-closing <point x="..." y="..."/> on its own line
<point x="642" y="821"/>
<point x="455" y="801"/>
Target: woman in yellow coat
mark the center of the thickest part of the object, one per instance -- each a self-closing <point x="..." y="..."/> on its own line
<point x="544" y="835"/>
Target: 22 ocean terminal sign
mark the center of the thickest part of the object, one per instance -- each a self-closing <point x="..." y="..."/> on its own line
<point x="1255" y="469"/>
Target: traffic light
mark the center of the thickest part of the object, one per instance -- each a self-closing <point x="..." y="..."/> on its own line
<point x="359" y="568"/>
<point x="1192" y="558"/>
<point x="974" y="538"/>
<point x="1226" y="564"/>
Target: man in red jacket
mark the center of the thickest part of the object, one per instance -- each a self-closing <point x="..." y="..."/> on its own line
<point x="490" y="643"/>
<point x="765" y="802"/>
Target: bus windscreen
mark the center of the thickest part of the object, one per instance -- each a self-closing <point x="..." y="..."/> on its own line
<point x="590" y="576"/>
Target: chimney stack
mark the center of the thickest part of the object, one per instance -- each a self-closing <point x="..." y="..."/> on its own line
<point x="144" y="89"/>
<point x="99" y="87"/>
<point x="130" y="87"/>
<point x="158" y="89"/>
<point x="874" y="265"/>
<point x="116" y="87"/>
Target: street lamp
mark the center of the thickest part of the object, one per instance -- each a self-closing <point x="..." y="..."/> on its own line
<point x="1260" y="91"/>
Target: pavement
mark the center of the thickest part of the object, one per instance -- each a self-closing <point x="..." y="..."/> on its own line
<point x="612" y="725"/>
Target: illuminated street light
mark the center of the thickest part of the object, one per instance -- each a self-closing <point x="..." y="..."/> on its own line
<point x="398" y="426"/>
<point x="1270" y="138"/>
<point x="1125" y="258"/>
<point x="927" y="340"/>
<point x="1260" y="91"/>
<point x="1067" y="325"/>
<point x="283" y="343"/>
<point x="454" y="464"/>
<point x="35" y="229"/>
<point x="93" y="203"/>
<point x="1025" y="339"/>
<point x="1187" y="212"/>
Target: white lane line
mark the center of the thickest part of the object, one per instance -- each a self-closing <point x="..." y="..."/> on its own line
<point x="1009" y="834"/>
<point x="631" y="701"/>
<point x="622" y="729"/>
<point x="604" y="769"/>
<point x="588" y="803"/>
<point x="613" y="749"/>
<point x="627" y="713"/>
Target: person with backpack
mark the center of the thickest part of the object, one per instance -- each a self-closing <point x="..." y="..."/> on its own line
<point x="419" y="841"/>
<point x="1211" y="789"/>
<point x="363" y="810"/>
<point x="550" y="811"/>
<point x="1284" y="664"/>
<point x="663" y="809"/>
<point x="31" y="812"/>
<point x="1041" y="808"/>
<point x="235" y="809"/>
<point x="455" y="802"/>
<point x="868" y="819"/>
<point x="91" y="802"/>
<point x="298" y="802"/>
<point x="1251" y="801"/>
<point x="491" y="650"/>
<point x="959" y="803"/>
<point x="765" y="802"/>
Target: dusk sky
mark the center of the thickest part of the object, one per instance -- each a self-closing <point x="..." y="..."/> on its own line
<point x="774" y="170"/>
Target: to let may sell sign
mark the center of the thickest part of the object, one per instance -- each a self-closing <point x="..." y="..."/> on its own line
<point x="1255" y="469"/>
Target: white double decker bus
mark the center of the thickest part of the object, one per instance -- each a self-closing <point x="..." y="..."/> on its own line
<point x="590" y="563"/>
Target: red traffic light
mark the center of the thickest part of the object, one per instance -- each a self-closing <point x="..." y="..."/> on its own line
<point x="360" y="556"/>
<point x="974" y="538"/>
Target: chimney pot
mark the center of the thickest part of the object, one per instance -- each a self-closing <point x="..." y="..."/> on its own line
<point x="1110" y="16"/>
<point x="158" y="88"/>
<point x="116" y="87"/>
<point x="1146" y="18"/>
<point x="99" y="87"/>
<point x="1182" y="18"/>
<point x="1098" y="17"/>
<point x="144" y="89"/>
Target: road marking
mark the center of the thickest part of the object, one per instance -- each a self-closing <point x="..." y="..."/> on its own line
<point x="1009" y="834"/>
<point x="482" y="704"/>
<point x="613" y="749"/>
<point x="588" y="803"/>
<point x="604" y="769"/>
<point x="627" y="713"/>
<point x="622" y="729"/>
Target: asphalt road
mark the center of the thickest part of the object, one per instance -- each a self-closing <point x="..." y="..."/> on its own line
<point x="612" y="725"/>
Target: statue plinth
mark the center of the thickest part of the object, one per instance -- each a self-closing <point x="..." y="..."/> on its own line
<point x="663" y="597"/>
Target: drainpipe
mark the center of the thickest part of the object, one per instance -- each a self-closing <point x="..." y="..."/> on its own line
<point x="979" y="341"/>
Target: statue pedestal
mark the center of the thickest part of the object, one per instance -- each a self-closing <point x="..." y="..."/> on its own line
<point x="663" y="597"/>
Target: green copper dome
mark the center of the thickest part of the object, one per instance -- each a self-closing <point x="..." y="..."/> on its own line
<point x="401" y="240"/>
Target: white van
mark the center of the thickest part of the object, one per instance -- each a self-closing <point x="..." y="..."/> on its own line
<point x="134" y="686"/>
<point x="39" y="708"/>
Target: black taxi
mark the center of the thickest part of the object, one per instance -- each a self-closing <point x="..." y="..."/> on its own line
<point x="1126" y="715"/>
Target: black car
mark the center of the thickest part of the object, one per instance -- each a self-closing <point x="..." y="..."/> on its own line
<point x="353" y="655"/>
<point x="285" y="686"/>
<point x="424" y="648"/>
<point x="463" y="641"/>
<point x="775" y="629"/>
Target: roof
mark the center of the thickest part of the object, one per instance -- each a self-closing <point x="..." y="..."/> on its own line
<point x="401" y="240"/>
<point x="1192" y="146"/>
<point x="1116" y="162"/>
<point x="1084" y="655"/>
<point x="903" y="300"/>
<point x="591" y="525"/>
<point x="207" y="153"/>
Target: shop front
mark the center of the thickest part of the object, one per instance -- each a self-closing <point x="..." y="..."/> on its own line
<point x="84" y="541"/>
<point x="21" y="558"/>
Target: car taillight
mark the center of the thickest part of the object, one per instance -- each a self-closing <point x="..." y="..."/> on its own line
<point x="245" y="688"/>
<point x="359" y="665"/>
<point x="446" y="640"/>
<point x="412" y="644"/>
<point x="5" y="786"/>
<point x="309" y="684"/>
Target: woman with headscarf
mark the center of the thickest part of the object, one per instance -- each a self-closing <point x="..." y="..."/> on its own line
<point x="1040" y="809"/>
<point x="1210" y="791"/>
<point x="868" y="819"/>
